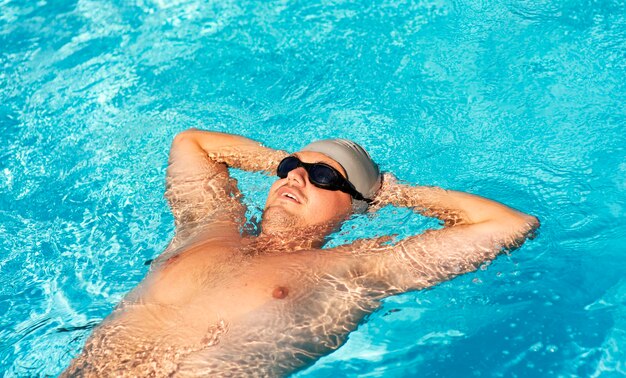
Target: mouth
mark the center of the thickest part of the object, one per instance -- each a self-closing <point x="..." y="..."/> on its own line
<point x="289" y="195"/>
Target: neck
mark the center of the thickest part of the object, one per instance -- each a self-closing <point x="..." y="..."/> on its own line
<point x="287" y="241"/>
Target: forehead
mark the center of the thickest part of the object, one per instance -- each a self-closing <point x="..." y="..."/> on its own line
<point x="316" y="157"/>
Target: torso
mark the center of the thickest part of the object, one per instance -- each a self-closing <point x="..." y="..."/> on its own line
<point x="216" y="307"/>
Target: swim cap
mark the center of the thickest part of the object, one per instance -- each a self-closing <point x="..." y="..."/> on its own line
<point x="360" y="169"/>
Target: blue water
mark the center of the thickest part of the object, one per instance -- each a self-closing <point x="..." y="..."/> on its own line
<point x="520" y="101"/>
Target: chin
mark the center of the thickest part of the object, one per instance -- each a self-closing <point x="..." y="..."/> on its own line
<point x="277" y="218"/>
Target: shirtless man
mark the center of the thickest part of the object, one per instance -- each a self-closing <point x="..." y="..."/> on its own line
<point x="220" y="302"/>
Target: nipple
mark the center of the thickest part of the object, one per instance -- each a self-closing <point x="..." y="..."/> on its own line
<point x="280" y="292"/>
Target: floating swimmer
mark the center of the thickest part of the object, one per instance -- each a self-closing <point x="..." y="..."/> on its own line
<point x="222" y="302"/>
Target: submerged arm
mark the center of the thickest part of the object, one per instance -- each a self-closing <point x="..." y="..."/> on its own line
<point x="199" y="188"/>
<point x="476" y="230"/>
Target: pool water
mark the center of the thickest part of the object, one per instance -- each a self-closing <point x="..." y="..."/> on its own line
<point x="520" y="101"/>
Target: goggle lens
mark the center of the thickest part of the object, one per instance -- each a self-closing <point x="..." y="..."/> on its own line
<point x="322" y="175"/>
<point x="287" y="165"/>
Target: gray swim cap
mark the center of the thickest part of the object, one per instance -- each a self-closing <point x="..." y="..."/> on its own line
<point x="361" y="170"/>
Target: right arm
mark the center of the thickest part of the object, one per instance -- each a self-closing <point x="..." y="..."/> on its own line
<point x="231" y="150"/>
<point x="199" y="188"/>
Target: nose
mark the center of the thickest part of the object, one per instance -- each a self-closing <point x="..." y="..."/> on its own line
<point x="298" y="176"/>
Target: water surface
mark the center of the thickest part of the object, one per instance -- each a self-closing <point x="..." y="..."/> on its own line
<point x="520" y="101"/>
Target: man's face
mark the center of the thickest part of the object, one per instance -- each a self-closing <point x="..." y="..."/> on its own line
<point x="311" y="205"/>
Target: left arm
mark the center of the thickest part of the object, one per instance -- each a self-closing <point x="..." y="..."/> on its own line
<point x="476" y="230"/>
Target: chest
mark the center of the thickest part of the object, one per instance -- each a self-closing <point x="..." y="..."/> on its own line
<point x="223" y="281"/>
<point x="263" y="297"/>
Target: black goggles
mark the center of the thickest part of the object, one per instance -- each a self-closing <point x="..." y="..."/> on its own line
<point x="321" y="175"/>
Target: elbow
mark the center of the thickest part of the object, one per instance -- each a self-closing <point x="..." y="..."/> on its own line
<point x="196" y="137"/>
<point x="526" y="225"/>
<point x="207" y="140"/>
<point x="186" y="135"/>
<point x="516" y="230"/>
<point x="182" y="137"/>
<point x="530" y="221"/>
<point x="533" y="225"/>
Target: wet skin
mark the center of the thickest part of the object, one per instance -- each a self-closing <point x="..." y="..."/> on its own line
<point x="227" y="304"/>
<point x="219" y="303"/>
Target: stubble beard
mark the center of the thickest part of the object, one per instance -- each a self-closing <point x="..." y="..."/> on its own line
<point x="279" y="221"/>
<point x="275" y="219"/>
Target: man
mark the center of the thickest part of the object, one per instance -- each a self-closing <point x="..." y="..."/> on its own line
<point x="220" y="302"/>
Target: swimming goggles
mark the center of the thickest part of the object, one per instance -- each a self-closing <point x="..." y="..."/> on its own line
<point x="321" y="175"/>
